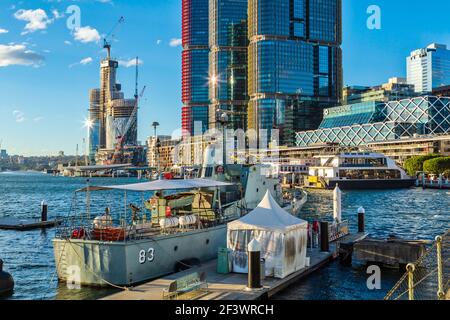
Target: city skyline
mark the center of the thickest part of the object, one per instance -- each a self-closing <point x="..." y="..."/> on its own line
<point x="45" y="99"/>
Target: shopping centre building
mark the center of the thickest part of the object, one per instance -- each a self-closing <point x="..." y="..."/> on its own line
<point x="366" y="122"/>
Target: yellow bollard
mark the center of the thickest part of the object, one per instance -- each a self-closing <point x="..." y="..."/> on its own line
<point x="410" y="268"/>
<point x="440" y="293"/>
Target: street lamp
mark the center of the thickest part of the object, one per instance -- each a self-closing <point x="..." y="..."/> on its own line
<point x="155" y="125"/>
<point x="222" y="118"/>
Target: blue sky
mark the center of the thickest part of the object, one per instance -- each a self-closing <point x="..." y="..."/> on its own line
<point x="46" y="70"/>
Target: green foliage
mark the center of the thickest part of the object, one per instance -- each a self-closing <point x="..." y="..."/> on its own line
<point x="437" y="165"/>
<point x="415" y="164"/>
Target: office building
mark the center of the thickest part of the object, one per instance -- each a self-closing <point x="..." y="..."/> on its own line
<point x="442" y="91"/>
<point x="294" y="62"/>
<point x="228" y="43"/>
<point x="394" y="89"/>
<point x="195" y="66"/>
<point x="3" y="154"/>
<point x="366" y="122"/>
<point x="153" y="143"/>
<point x="429" y="68"/>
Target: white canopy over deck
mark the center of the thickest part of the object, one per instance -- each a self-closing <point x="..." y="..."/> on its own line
<point x="158" y="185"/>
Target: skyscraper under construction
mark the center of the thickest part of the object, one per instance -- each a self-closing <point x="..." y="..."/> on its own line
<point x="109" y="115"/>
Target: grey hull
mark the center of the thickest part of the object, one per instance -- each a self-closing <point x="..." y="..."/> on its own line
<point x="98" y="263"/>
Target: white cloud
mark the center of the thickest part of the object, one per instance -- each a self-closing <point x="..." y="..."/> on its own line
<point x="19" y="116"/>
<point x="19" y="54"/>
<point x="82" y="62"/>
<point x="38" y="119"/>
<point x="86" y="61"/>
<point x="68" y="42"/>
<point x="57" y="14"/>
<point x="130" y="63"/>
<point x="158" y="42"/>
<point x="37" y="19"/>
<point x="175" y="42"/>
<point x="3" y="31"/>
<point x="86" y="34"/>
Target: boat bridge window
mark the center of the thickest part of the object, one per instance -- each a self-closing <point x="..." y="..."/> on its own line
<point x="370" y="174"/>
<point x="363" y="162"/>
<point x="209" y="171"/>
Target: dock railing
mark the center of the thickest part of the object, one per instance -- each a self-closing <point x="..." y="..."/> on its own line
<point x="428" y="278"/>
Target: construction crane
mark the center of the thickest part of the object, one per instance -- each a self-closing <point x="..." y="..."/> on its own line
<point x="106" y="43"/>
<point x="132" y="123"/>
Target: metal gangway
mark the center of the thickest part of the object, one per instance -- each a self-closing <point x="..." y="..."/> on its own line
<point x="429" y="277"/>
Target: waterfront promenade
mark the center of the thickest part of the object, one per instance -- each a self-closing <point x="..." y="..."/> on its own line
<point x="232" y="286"/>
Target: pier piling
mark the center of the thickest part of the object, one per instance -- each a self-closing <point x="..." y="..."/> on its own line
<point x="44" y="211"/>
<point x="324" y="237"/>
<point x="361" y="212"/>
<point x="254" y="265"/>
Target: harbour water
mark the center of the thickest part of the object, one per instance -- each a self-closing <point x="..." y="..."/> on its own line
<point x="412" y="213"/>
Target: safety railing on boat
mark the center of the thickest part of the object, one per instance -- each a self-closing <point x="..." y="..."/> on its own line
<point x="120" y="230"/>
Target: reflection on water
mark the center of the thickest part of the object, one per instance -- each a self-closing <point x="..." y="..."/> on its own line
<point x="28" y="255"/>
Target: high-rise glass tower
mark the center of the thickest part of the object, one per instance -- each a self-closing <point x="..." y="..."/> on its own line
<point x="195" y="66"/>
<point x="228" y="61"/>
<point x="294" y="64"/>
<point x="429" y="68"/>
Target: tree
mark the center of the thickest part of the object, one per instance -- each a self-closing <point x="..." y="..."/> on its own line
<point x="437" y="165"/>
<point x="415" y="164"/>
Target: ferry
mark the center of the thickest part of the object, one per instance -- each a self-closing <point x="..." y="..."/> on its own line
<point x="357" y="170"/>
<point x="182" y="224"/>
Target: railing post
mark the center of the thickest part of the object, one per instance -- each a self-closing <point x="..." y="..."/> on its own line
<point x="440" y="293"/>
<point x="410" y="269"/>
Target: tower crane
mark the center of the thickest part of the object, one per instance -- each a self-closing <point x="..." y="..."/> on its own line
<point x="106" y="43"/>
<point x="132" y="123"/>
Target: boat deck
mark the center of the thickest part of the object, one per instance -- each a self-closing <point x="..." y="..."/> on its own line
<point x="11" y="223"/>
<point x="232" y="286"/>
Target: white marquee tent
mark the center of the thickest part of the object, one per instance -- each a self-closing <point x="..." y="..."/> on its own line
<point x="282" y="236"/>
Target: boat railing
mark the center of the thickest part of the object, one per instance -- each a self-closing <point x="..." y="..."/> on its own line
<point x="84" y="227"/>
<point x="338" y="230"/>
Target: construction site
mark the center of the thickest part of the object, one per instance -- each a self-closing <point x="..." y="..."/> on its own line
<point x="113" y="119"/>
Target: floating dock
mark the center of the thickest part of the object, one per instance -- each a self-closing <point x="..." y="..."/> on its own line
<point x="11" y="223"/>
<point x="232" y="286"/>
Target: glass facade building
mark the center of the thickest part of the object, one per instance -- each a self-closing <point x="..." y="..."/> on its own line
<point x="429" y="68"/>
<point x="295" y="64"/>
<point x="228" y="61"/>
<point x="362" y="123"/>
<point x="195" y="66"/>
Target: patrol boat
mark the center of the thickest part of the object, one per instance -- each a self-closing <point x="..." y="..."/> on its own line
<point x="183" y="223"/>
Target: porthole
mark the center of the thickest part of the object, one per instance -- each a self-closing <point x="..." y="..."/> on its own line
<point x="175" y="248"/>
<point x="207" y="241"/>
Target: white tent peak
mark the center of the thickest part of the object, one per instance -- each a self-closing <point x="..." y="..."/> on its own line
<point x="268" y="215"/>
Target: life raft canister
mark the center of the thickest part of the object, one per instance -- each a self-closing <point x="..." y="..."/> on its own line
<point x="168" y="212"/>
<point x="78" y="233"/>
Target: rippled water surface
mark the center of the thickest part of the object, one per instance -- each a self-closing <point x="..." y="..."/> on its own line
<point x="412" y="213"/>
